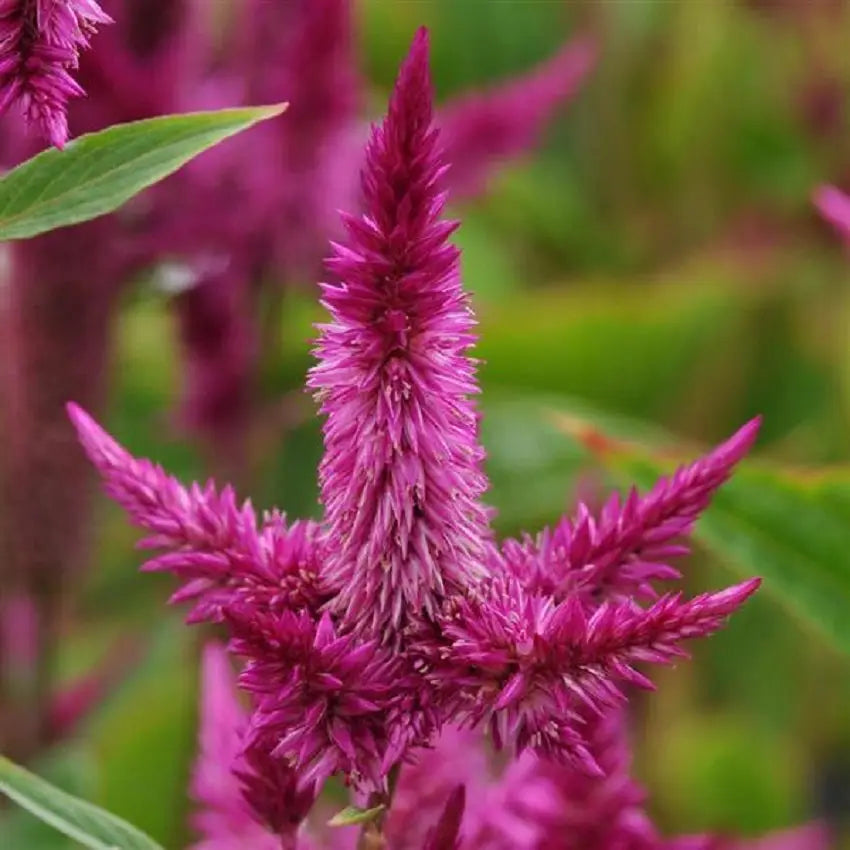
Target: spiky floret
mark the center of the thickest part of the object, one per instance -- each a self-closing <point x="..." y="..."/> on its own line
<point x="620" y="553"/>
<point x="215" y="545"/>
<point x="526" y="663"/>
<point x="40" y="41"/>
<point x="401" y="477"/>
<point x="323" y="700"/>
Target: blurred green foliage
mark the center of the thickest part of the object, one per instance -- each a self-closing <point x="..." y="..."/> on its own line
<point x="658" y="261"/>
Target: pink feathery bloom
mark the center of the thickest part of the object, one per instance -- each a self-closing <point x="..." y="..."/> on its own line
<point x="219" y="549"/>
<point x="483" y="129"/>
<point x="524" y="662"/>
<point x="401" y="477"/>
<point x="325" y="699"/>
<point x="629" y="545"/>
<point x="40" y="42"/>
<point x="834" y="206"/>
<point x="396" y="615"/>
<point x="245" y="798"/>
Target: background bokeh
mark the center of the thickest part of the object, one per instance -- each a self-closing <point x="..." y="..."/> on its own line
<point x="658" y="261"/>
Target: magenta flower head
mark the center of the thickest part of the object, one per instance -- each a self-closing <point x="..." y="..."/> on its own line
<point x="40" y="41"/>
<point x="397" y="615"/>
<point x="401" y="477"/>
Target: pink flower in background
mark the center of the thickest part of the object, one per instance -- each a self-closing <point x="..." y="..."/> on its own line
<point x="834" y="206"/>
<point x="78" y="272"/>
<point x="245" y="800"/>
<point x="483" y="130"/>
<point x="40" y="41"/>
<point x="397" y="615"/>
<point x="276" y="191"/>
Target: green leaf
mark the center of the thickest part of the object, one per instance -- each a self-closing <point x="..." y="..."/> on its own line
<point x="351" y="816"/>
<point x="790" y="526"/>
<point x="90" y="826"/>
<point x="98" y="172"/>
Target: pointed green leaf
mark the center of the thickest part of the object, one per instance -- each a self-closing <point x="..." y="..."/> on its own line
<point x="351" y="816"/>
<point x="90" y="826"/>
<point x="98" y="172"/>
<point x="790" y="526"/>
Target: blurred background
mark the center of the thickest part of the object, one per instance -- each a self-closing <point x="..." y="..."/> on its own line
<point x="645" y="257"/>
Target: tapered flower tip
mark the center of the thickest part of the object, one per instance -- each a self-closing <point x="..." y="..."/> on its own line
<point x="834" y="206"/>
<point x="740" y="442"/>
<point x="415" y="66"/>
<point x="102" y="450"/>
<point x="725" y="602"/>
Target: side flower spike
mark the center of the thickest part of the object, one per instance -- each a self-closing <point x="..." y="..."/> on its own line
<point x="40" y="41"/>
<point x="630" y="544"/>
<point x="214" y="544"/>
<point x="401" y="476"/>
<point x="526" y="664"/>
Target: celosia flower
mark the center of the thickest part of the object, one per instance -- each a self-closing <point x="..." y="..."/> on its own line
<point x="630" y="544"/>
<point x="40" y="41"/>
<point x="324" y="699"/>
<point x="397" y="614"/>
<point x="219" y="550"/>
<point x="526" y="663"/>
<point x="401" y="478"/>
<point x="834" y="206"/>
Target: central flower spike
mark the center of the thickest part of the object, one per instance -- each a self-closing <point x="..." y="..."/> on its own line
<point x="401" y="477"/>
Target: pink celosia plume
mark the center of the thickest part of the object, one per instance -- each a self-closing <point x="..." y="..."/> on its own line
<point x="525" y="662"/>
<point x="629" y="545"/>
<point x="365" y="634"/>
<point x="40" y="41"/>
<point x="401" y="477"/>
<point x="219" y="550"/>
